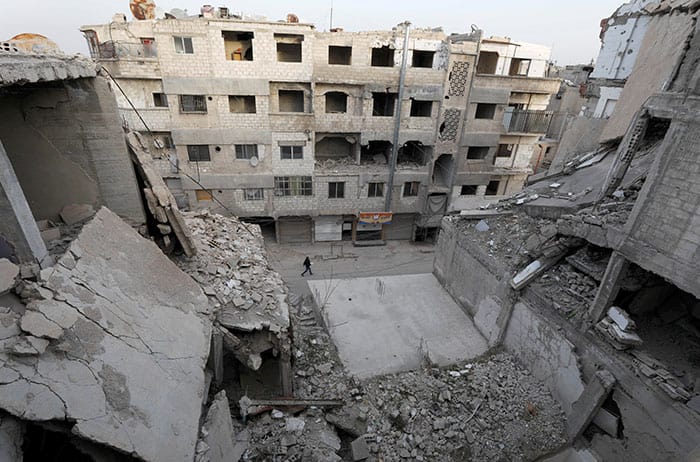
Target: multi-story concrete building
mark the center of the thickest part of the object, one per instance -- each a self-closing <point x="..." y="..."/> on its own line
<point x="284" y="124"/>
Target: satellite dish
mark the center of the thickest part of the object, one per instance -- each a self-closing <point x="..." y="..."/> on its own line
<point x="143" y="9"/>
<point x="254" y="161"/>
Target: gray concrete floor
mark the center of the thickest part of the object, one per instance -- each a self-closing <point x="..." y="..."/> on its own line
<point x="383" y="307"/>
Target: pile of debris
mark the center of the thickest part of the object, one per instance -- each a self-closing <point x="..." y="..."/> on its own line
<point x="571" y="291"/>
<point x="659" y="373"/>
<point x="619" y="329"/>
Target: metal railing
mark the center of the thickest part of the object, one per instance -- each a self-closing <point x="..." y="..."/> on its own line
<point x="519" y="121"/>
<point x="117" y="50"/>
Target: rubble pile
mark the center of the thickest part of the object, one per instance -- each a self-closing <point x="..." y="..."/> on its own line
<point x="660" y="375"/>
<point x="487" y="410"/>
<point x="571" y="291"/>
<point x="619" y="329"/>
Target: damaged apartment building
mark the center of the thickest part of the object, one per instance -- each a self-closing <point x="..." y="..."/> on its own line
<point x="591" y="273"/>
<point x="317" y="135"/>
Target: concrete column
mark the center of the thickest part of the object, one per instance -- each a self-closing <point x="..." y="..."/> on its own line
<point x="17" y="225"/>
<point x="609" y="288"/>
<point x="286" y="375"/>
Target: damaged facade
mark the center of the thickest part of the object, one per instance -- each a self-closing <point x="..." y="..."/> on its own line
<point x="294" y="128"/>
<point x="590" y="275"/>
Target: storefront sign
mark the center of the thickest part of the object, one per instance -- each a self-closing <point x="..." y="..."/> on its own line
<point x="373" y="218"/>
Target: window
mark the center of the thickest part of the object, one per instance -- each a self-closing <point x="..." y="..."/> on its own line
<point x="477" y="152"/>
<point x="183" y="45"/>
<point x="238" y="46"/>
<point x="505" y="150"/>
<point x="488" y="62"/>
<point x="410" y="188"/>
<point x="163" y="140"/>
<point x="423" y="58"/>
<point x="421" y="108"/>
<point x="293" y="186"/>
<point x="198" y="152"/>
<point x="383" y="57"/>
<point x="485" y="111"/>
<point x="246" y="151"/>
<point x="291" y="100"/>
<point x="336" y="190"/>
<point x="193" y="103"/>
<point x="242" y="104"/>
<point x="203" y="195"/>
<point x="375" y="190"/>
<point x="253" y="194"/>
<point x="519" y="66"/>
<point x="336" y="102"/>
<point x="339" y="55"/>
<point x="149" y="47"/>
<point x="289" y="48"/>
<point x="291" y="152"/>
<point x="383" y="104"/>
<point x="160" y="100"/>
<point x="492" y="188"/>
<point x="468" y="190"/>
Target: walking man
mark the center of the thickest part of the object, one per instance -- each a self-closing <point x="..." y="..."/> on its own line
<point x="307" y="267"/>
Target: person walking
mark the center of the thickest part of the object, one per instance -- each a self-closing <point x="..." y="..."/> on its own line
<point x="307" y="267"/>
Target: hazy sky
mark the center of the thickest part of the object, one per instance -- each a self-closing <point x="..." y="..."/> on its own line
<point x="571" y="29"/>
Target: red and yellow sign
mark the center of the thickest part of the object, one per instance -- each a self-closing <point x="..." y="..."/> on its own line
<point x="374" y="218"/>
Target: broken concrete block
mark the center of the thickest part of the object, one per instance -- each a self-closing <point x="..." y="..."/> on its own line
<point x="8" y="275"/>
<point x="586" y="407"/>
<point x="38" y="325"/>
<point x="75" y="213"/>
<point x="219" y="436"/>
<point x="359" y="449"/>
<point x="349" y="420"/>
<point x="621" y="318"/>
<point x="607" y="422"/>
<point x="50" y="234"/>
<point x="164" y="229"/>
<point x="28" y="346"/>
<point x="626" y="338"/>
<point x="294" y="425"/>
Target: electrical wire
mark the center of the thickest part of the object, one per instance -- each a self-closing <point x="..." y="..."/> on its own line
<point x="177" y="167"/>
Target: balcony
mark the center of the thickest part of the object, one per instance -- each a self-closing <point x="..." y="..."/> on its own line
<point x="520" y="121"/>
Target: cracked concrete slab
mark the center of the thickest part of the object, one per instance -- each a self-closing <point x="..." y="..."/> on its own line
<point x="126" y="340"/>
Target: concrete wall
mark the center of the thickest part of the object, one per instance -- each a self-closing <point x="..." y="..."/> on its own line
<point x="66" y="145"/>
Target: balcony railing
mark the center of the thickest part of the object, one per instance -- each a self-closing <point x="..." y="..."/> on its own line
<point x="118" y="50"/>
<point x="519" y="121"/>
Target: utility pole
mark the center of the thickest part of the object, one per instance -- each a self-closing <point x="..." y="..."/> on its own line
<point x="397" y="119"/>
<point x="331" y="22"/>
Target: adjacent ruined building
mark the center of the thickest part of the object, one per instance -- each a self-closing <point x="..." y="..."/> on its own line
<point x="294" y="129"/>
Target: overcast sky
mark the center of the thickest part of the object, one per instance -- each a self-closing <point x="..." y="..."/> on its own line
<point x="571" y="29"/>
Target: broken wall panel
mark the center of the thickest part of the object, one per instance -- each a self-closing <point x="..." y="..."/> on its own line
<point x="116" y="334"/>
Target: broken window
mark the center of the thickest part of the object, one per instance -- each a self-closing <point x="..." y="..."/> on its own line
<point x="505" y="150"/>
<point x="335" y="146"/>
<point x="375" y="190"/>
<point x="485" y="111"/>
<point x="339" y="55"/>
<point x="492" y="188"/>
<point x="519" y="66"/>
<point x="183" y="45"/>
<point x="488" y="62"/>
<point x="193" y="103"/>
<point x="414" y="152"/>
<point x="198" y="152"/>
<point x="383" y="57"/>
<point x="289" y="48"/>
<point x="468" y="190"/>
<point x="160" y="100"/>
<point x="242" y="104"/>
<point x="246" y="151"/>
<point x="442" y="170"/>
<point x="336" y="102"/>
<point x="410" y="188"/>
<point x="377" y="152"/>
<point x="291" y="100"/>
<point x="421" y="108"/>
<point x="383" y="104"/>
<point x="203" y="195"/>
<point x="291" y="152"/>
<point x="336" y="190"/>
<point x="253" y="194"/>
<point x="238" y="45"/>
<point x="423" y="58"/>
<point x="293" y="186"/>
<point x="162" y="140"/>
<point x="477" y="152"/>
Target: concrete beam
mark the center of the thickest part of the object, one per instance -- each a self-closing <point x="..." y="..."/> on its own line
<point x="608" y="289"/>
<point x="586" y="407"/>
<point x="18" y="224"/>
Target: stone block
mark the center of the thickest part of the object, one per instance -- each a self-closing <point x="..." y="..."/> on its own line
<point x="50" y="234"/>
<point x="8" y="275"/>
<point x="75" y="213"/>
<point x="359" y="449"/>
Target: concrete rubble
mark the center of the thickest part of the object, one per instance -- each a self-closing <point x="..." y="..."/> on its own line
<point x="107" y="341"/>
